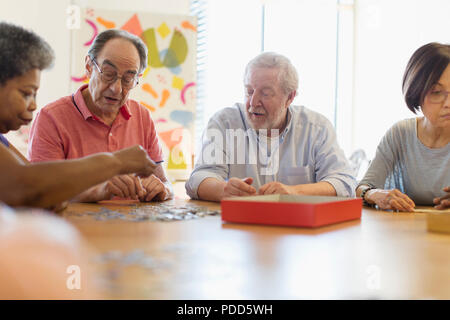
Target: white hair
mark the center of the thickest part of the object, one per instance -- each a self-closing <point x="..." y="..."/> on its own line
<point x="288" y="74"/>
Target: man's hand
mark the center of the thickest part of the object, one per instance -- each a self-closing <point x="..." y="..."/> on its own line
<point x="276" y="187"/>
<point x="125" y="186"/>
<point x="155" y="189"/>
<point x="236" y="187"/>
<point x="390" y="200"/>
<point x="443" y="202"/>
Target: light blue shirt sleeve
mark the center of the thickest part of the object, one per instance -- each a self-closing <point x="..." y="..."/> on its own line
<point x="210" y="161"/>
<point x="331" y="164"/>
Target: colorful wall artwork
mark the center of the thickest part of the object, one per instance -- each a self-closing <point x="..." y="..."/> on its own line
<point x="167" y="87"/>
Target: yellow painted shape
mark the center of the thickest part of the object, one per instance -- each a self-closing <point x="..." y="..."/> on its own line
<point x="179" y="162"/>
<point x="177" y="82"/>
<point x="146" y="71"/>
<point x="163" y="30"/>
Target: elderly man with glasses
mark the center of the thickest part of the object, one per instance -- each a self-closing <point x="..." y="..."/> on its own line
<point x="100" y="117"/>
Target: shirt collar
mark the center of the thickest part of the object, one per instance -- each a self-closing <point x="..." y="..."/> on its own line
<point x="289" y="123"/>
<point x="285" y="131"/>
<point x="81" y="104"/>
<point x="125" y="111"/>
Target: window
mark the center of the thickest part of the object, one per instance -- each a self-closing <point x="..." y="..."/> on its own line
<point x="387" y="34"/>
<point x="350" y="56"/>
<point x="305" y="31"/>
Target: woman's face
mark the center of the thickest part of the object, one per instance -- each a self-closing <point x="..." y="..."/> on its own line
<point x="18" y="100"/>
<point x="438" y="113"/>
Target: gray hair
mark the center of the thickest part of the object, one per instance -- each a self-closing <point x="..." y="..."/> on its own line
<point x="21" y="51"/>
<point x="103" y="37"/>
<point x="288" y="75"/>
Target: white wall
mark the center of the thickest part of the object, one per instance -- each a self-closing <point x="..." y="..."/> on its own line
<point x="231" y="43"/>
<point x="305" y="32"/>
<point x="48" y="18"/>
<point x="387" y="34"/>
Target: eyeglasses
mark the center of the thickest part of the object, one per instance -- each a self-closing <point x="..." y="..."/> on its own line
<point x="437" y="96"/>
<point x="109" y="75"/>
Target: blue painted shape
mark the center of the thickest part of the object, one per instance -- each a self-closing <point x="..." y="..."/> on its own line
<point x="168" y="56"/>
<point x="183" y="117"/>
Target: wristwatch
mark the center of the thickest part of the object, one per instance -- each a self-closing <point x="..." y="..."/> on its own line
<point x="363" y="196"/>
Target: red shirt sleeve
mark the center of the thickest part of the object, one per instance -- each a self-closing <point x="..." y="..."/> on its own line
<point x="45" y="143"/>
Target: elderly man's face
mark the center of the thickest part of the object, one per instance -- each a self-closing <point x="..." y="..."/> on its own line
<point x="266" y="101"/>
<point x="117" y="55"/>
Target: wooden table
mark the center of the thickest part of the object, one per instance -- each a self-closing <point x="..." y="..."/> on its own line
<point x="384" y="255"/>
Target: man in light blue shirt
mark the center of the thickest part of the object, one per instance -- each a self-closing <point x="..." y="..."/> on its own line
<point x="269" y="146"/>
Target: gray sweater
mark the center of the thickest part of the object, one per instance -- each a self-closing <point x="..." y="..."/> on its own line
<point x="404" y="163"/>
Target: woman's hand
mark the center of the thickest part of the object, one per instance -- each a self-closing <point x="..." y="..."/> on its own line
<point x="443" y="202"/>
<point x="390" y="200"/>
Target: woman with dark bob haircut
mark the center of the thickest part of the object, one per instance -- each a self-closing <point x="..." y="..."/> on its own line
<point x="23" y="55"/>
<point x="412" y="162"/>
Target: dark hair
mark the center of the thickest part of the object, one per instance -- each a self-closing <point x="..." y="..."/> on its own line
<point x="424" y="69"/>
<point x="103" y="37"/>
<point x="20" y="51"/>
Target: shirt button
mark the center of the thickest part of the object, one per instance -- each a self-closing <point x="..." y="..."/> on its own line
<point x="110" y="134"/>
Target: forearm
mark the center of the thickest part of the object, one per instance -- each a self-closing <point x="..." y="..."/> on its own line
<point x="211" y="189"/>
<point x="315" y="189"/>
<point x="94" y="194"/>
<point x="18" y="154"/>
<point x="369" y="196"/>
<point x="47" y="184"/>
<point x="360" y="189"/>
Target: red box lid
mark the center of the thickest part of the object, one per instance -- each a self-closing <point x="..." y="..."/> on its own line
<point x="291" y="210"/>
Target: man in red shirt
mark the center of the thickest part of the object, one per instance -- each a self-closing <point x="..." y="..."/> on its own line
<point x="99" y="117"/>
